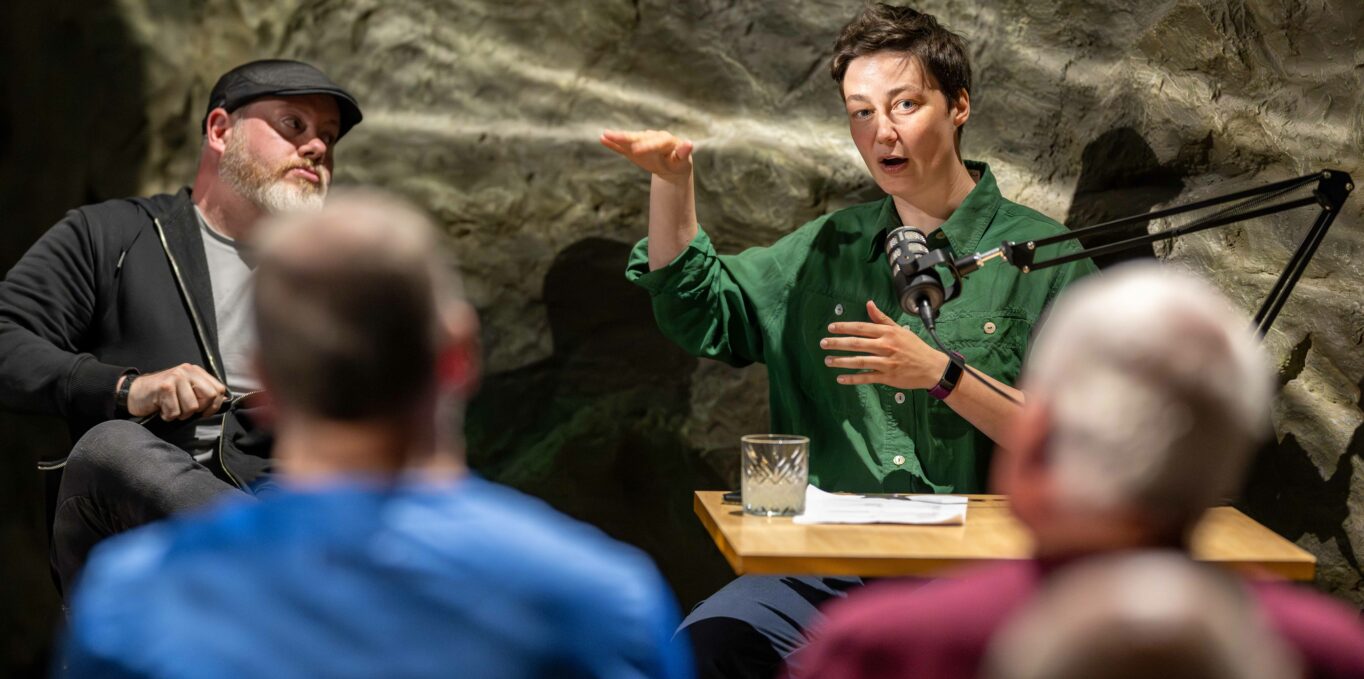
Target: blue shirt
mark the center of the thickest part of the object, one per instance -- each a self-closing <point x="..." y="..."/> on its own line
<point x="467" y="579"/>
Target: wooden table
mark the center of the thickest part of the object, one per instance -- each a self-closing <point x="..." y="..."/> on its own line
<point x="776" y="546"/>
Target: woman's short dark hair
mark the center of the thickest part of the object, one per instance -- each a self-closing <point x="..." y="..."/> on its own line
<point x="881" y="27"/>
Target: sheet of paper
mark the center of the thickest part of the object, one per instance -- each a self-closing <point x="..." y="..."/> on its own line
<point x="933" y="510"/>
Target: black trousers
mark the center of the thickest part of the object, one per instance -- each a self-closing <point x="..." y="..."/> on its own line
<point x="120" y="476"/>
<point x="753" y="624"/>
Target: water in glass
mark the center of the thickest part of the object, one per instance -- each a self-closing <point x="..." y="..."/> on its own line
<point x="775" y="471"/>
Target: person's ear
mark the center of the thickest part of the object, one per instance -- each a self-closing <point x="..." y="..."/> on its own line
<point x="961" y="108"/>
<point x="1020" y="470"/>
<point x="1021" y="459"/>
<point x="216" y="129"/>
<point x="262" y="402"/>
<point x="458" y="365"/>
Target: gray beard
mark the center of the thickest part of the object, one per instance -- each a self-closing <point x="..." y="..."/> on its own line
<point x="282" y="197"/>
<point x="252" y="181"/>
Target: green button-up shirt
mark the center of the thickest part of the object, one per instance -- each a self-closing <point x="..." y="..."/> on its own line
<point x="773" y="305"/>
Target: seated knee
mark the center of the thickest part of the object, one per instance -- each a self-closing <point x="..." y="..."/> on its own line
<point x="726" y="647"/>
<point x="107" y="447"/>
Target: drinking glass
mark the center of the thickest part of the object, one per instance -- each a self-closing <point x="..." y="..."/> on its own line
<point x="776" y="469"/>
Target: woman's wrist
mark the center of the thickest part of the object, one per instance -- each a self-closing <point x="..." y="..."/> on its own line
<point x="936" y="368"/>
<point x="951" y="376"/>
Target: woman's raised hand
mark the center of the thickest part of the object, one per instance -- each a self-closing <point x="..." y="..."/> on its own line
<point x="656" y="151"/>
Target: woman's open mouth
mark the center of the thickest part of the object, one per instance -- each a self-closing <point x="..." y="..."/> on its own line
<point x="893" y="164"/>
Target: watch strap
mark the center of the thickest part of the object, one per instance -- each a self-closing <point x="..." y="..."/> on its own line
<point x="125" y="387"/>
<point x="950" y="376"/>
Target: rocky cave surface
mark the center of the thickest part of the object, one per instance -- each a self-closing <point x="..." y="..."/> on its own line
<point x="487" y="114"/>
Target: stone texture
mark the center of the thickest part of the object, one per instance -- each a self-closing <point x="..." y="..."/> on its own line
<point x="487" y="114"/>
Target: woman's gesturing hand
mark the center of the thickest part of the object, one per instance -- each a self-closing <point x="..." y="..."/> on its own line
<point x="656" y="151"/>
<point x="889" y="353"/>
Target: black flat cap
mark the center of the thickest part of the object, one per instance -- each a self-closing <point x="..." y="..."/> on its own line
<point x="279" y="78"/>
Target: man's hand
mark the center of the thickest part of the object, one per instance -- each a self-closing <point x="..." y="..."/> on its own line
<point x="894" y="355"/>
<point x="177" y="393"/>
<point x="656" y="151"/>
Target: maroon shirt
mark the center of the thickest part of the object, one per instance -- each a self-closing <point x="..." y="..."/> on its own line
<point x="942" y="628"/>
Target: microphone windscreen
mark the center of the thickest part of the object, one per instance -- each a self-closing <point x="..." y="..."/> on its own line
<point x="908" y="239"/>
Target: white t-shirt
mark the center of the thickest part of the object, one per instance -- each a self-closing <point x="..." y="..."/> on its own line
<point x="230" y="271"/>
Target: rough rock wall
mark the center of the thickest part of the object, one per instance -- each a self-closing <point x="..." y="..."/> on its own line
<point x="487" y="113"/>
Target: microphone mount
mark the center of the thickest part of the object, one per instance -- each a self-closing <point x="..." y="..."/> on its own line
<point x="1329" y="194"/>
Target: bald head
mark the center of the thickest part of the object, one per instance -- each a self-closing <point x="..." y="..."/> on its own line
<point x="354" y="304"/>
<point x="1157" y="614"/>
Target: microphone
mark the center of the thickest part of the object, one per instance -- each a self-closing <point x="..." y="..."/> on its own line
<point x="920" y="291"/>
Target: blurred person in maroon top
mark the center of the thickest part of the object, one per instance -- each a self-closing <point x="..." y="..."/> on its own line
<point x="1146" y="393"/>
<point x="1140" y="615"/>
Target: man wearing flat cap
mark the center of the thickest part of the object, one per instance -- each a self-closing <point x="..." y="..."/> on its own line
<point x="130" y="318"/>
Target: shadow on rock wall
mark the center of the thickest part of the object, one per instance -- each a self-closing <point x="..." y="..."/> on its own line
<point x="594" y="428"/>
<point x="72" y="131"/>
<point x="1120" y="176"/>
<point x="1288" y="493"/>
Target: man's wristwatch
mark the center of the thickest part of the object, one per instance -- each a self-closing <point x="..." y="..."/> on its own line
<point x="125" y="387"/>
<point x="950" y="377"/>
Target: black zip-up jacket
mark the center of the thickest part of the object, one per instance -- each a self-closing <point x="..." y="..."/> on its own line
<point x="113" y="286"/>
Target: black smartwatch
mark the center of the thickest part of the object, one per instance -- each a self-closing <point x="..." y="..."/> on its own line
<point x="121" y="393"/>
<point x="950" y="377"/>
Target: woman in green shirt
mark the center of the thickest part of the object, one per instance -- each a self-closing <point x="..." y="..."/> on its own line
<point x="847" y="368"/>
<point x="820" y="301"/>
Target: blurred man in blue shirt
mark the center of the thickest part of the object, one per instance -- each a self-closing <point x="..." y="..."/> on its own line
<point x="382" y="556"/>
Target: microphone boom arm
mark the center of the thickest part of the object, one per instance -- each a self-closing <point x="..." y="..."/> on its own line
<point x="1332" y="188"/>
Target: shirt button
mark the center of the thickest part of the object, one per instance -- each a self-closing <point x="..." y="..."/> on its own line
<point x="898" y="460"/>
<point x="989" y="327"/>
<point x="899" y="398"/>
<point x="838" y="310"/>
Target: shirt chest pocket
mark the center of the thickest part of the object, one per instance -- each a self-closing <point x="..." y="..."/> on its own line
<point x="993" y="341"/>
<point x="813" y="312"/>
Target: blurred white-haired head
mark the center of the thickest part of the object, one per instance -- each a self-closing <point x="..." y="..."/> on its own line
<point x="1152" y="614"/>
<point x="1154" y="391"/>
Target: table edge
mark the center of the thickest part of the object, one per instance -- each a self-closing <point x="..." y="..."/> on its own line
<point x="1298" y="571"/>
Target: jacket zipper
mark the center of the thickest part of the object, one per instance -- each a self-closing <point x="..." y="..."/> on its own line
<point x="222" y="438"/>
<point x="203" y="346"/>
